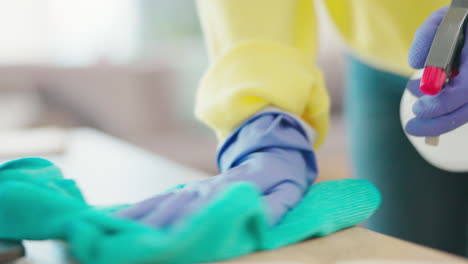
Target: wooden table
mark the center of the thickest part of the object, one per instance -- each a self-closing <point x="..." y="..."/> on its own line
<point x="110" y="171"/>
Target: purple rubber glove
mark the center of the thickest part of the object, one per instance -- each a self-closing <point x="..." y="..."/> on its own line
<point x="448" y="110"/>
<point x="269" y="150"/>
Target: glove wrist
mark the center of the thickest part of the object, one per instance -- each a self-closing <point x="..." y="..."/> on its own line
<point x="266" y="129"/>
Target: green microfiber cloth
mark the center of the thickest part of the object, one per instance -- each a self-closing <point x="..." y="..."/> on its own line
<point x="37" y="203"/>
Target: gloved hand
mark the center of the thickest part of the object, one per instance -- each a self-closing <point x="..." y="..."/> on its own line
<point x="270" y="150"/>
<point x="447" y="110"/>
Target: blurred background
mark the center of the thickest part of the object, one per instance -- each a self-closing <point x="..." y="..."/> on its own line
<point x="129" y="68"/>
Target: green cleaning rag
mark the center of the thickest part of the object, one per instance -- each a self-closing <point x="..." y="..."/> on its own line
<point x="37" y="203"/>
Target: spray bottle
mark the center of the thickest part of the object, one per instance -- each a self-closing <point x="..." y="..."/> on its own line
<point x="451" y="151"/>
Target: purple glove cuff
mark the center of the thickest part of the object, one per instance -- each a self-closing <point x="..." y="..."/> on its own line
<point x="284" y="132"/>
